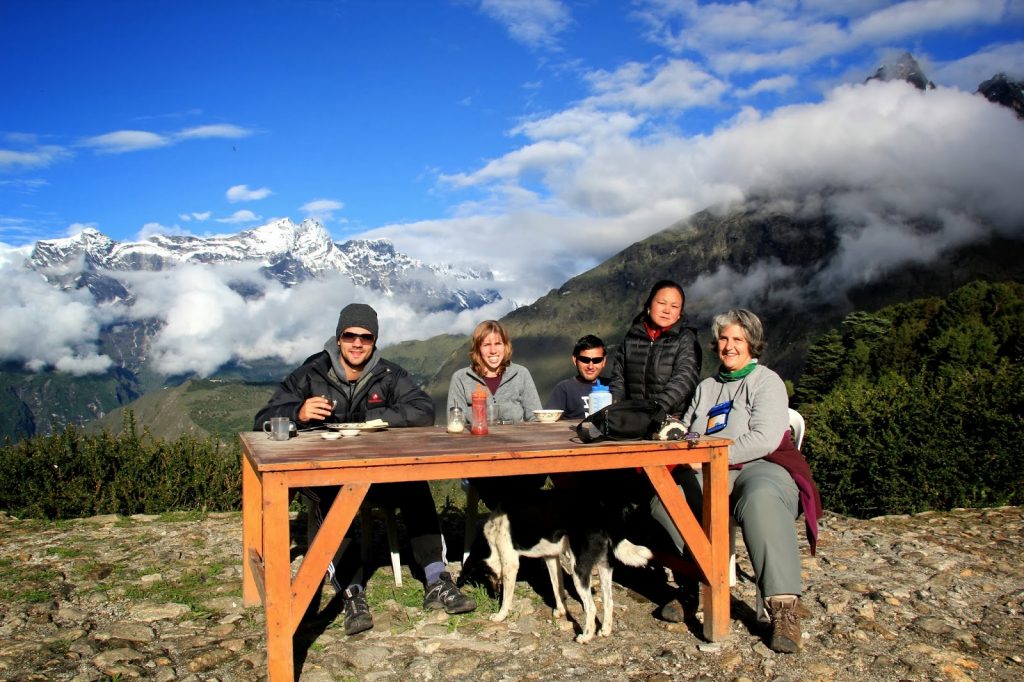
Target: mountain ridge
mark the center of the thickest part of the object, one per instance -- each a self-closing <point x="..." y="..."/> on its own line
<point x="283" y="251"/>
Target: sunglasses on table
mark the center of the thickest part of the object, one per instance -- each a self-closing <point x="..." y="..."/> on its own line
<point x="589" y="361"/>
<point x="349" y="337"/>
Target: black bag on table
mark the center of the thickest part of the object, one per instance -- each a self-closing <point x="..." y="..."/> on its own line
<point x="625" y="420"/>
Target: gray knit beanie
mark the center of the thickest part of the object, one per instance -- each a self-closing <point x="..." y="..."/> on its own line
<point x="357" y="315"/>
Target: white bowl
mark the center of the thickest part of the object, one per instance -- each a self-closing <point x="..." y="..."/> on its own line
<point x="331" y="435"/>
<point x="547" y="416"/>
<point x="348" y="433"/>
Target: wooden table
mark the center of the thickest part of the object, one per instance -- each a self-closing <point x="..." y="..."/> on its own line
<point x="271" y="469"/>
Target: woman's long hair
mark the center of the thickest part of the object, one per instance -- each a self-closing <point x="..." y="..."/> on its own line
<point x="482" y="331"/>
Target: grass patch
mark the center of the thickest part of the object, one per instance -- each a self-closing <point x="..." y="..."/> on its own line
<point x="64" y="552"/>
<point x="410" y="594"/>
<point x="191" y="589"/>
<point x="25" y="583"/>
<point x="181" y="516"/>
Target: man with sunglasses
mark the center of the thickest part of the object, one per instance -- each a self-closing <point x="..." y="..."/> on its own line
<point x="588" y="356"/>
<point x="347" y="382"/>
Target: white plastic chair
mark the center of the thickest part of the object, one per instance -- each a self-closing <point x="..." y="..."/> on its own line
<point x="365" y="525"/>
<point x="472" y="503"/>
<point x="391" y="527"/>
<point x="796" y="429"/>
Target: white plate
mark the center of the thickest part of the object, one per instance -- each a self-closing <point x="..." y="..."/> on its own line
<point x="375" y="425"/>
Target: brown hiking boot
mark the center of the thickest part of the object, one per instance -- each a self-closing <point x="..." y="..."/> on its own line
<point x="783" y="611"/>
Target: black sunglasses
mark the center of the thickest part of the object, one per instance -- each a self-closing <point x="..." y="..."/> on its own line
<point x="589" y="361"/>
<point x="349" y="337"/>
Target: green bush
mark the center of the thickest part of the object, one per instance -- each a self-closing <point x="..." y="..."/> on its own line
<point x="71" y="474"/>
<point x="919" y="406"/>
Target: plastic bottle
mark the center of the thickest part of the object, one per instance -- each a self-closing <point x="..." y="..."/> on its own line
<point x="600" y="397"/>
<point x="479" y="417"/>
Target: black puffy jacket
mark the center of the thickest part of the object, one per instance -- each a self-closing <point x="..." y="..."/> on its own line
<point x="665" y="370"/>
<point x="385" y="391"/>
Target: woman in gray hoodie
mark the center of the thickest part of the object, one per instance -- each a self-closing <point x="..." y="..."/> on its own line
<point x="511" y="396"/>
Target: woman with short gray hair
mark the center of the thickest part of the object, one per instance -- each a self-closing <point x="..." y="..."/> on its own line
<point x="769" y="480"/>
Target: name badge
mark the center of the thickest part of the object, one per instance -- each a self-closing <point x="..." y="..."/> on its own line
<point x="718" y="417"/>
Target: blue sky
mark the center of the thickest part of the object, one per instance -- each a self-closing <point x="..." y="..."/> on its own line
<point x="139" y="116"/>
<point x="483" y="132"/>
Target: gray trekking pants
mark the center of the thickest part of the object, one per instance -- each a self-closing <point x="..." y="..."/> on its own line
<point x="765" y="502"/>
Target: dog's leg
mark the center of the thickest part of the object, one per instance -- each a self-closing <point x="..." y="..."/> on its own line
<point x="588" y="625"/>
<point x="503" y="553"/>
<point x="510" y="569"/>
<point x="604" y="570"/>
<point x="557" y="585"/>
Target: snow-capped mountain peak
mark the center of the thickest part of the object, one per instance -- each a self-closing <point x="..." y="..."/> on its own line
<point x="286" y="252"/>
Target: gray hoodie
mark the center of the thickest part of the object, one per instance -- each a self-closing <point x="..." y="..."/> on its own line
<point x="515" y="400"/>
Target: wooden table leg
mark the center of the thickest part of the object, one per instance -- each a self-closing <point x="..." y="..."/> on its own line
<point x="252" y="528"/>
<point x="716" y="520"/>
<point x="278" y="577"/>
<point x="324" y="546"/>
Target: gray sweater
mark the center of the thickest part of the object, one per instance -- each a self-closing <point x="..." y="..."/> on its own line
<point x="515" y="400"/>
<point x="759" y="416"/>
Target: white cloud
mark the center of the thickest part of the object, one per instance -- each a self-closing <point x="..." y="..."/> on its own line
<point x="532" y="157"/>
<point x="39" y="157"/>
<point x="201" y="217"/>
<point x="914" y="17"/>
<point x="321" y="209"/>
<point x="679" y="84"/>
<point x="68" y="322"/>
<point x="75" y="229"/>
<point x="206" y="323"/>
<point x="776" y="84"/>
<point x="150" y="229"/>
<point x="244" y="216"/>
<point x="203" y="322"/>
<point x="535" y="23"/>
<point x="749" y="37"/>
<point x="238" y="193"/>
<point x="122" y="141"/>
<point x="582" y="123"/>
<point x="225" y="130"/>
<point x="970" y="71"/>
<point x="26" y="185"/>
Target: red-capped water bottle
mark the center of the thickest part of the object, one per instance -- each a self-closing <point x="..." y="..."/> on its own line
<point x="479" y="416"/>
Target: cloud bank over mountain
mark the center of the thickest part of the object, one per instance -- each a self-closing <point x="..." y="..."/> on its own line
<point x="204" y="321"/>
<point x="882" y="153"/>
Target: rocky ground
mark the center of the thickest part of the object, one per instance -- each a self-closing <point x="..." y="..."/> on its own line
<point x="925" y="597"/>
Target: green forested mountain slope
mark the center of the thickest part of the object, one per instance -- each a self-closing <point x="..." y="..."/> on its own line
<point x="920" y="405"/>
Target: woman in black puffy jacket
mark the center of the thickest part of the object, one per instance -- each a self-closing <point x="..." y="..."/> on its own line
<point x="659" y="358"/>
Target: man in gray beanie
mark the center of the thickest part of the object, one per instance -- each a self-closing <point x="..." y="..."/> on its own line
<point x="348" y="382"/>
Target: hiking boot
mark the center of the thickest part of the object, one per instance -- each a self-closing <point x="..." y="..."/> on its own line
<point x="783" y="611"/>
<point x="357" y="612"/>
<point x="444" y="594"/>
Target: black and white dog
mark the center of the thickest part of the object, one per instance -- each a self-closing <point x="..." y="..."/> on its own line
<point x="562" y="530"/>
